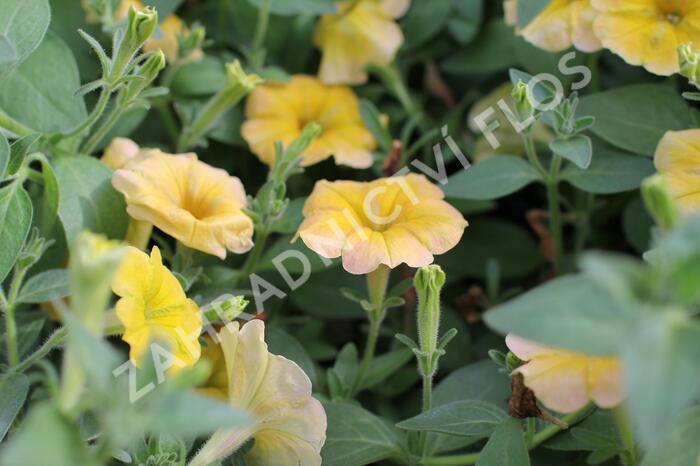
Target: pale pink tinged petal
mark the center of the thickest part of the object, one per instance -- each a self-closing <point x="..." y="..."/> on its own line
<point x="364" y="251"/>
<point x="524" y="349"/>
<point x="551" y="30"/>
<point x="405" y="248"/>
<point x="605" y="382"/>
<point x="559" y="382"/>
<point x="438" y="225"/>
<point x="583" y="16"/>
<point x="625" y="5"/>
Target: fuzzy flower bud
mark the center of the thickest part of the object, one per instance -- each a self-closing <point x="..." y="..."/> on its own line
<point x="689" y="61"/>
<point x="428" y="283"/>
<point x="94" y="262"/>
<point x="659" y="202"/>
<point x="523" y="104"/>
<point x="140" y="25"/>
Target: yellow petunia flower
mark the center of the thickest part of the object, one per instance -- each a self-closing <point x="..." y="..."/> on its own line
<point x="648" y="32"/>
<point x="677" y="158"/>
<point x="402" y="219"/>
<point x="195" y="203"/>
<point x="559" y="25"/>
<point x="154" y="308"/>
<point x="278" y="112"/>
<point x="118" y="154"/>
<point x="566" y="381"/>
<point x="290" y="425"/>
<point x="360" y="33"/>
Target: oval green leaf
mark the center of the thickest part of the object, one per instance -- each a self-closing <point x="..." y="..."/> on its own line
<point x="491" y="179"/>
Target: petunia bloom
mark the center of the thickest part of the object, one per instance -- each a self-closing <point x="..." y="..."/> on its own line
<point x="360" y="33"/>
<point x="561" y="24"/>
<point x="566" y="381"/>
<point x="677" y="158"/>
<point x="290" y="426"/>
<point x="648" y="32"/>
<point x="118" y="154"/>
<point x="154" y="308"/>
<point x="402" y="219"/>
<point x="197" y="204"/>
<point x="278" y="112"/>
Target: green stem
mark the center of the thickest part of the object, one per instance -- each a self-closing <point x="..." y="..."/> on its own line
<point x="104" y="128"/>
<point x="14" y="126"/>
<point x="257" y="54"/>
<point x="10" y="305"/>
<point x="530" y="427"/>
<point x="427" y="404"/>
<point x="97" y="112"/>
<point x="538" y="439"/>
<point x="377" y="282"/>
<point x="169" y="121"/>
<point x="628" y="456"/>
<point x="56" y="339"/>
<point x="555" y="224"/>
<point x="11" y="336"/>
<point x="254" y="257"/>
<point x="532" y="155"/>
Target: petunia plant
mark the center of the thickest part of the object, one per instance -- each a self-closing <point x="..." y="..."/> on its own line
<point x="349" y="232"/>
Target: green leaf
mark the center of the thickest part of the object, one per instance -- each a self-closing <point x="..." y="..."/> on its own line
<point x="661" y="374"/>
<point x="45" y="286"/>
<point x="19" y="150"/>
<point x="423" y="21"/>
<point x="468" y="418"/>
<point x="569" y="312"/>
<point x="529" y="10"/>
<point x="47" y="81"/>
<point x="493" y="50"/>
<point x="284" y="344"/>
<point x="14" y="388"/>
<point x="163" y="416"/>
<point x="4" y="156"/>
<point x="289" y="222"/>
<point x="465" y="25"/>
<point x="635" y="118"/>
<point x="371" y="118"/>
<point x="356" y="437"/>
<point x="577" y="149"/>
<point x="16" y="220"/>
<point x="506" y="447"/>
<point x="23" y="24"/>
<point x="492" y="178"/>
<point x="384" y="366"/>
<point x="61" y="444"/>
<point x="324" y="287"/>
<point x="679" y="446"/>
<point x="509" y="244"/>
<point x="87" y="198"/>
<point x="49" y="199"/>
<point x="199" y="78"/>
<point x="611" y="171"/>
<point x="8" y="54"/>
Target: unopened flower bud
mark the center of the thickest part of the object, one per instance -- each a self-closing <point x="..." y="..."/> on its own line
<point x="93" y="264"/>
<point x="521" y="94"/>
<point x="146" y="73"/>
<point x="428" y="282"/>
<point x="689" y="61"/>
<point x="140" y="25"/>
<point x="660" y="203"/>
